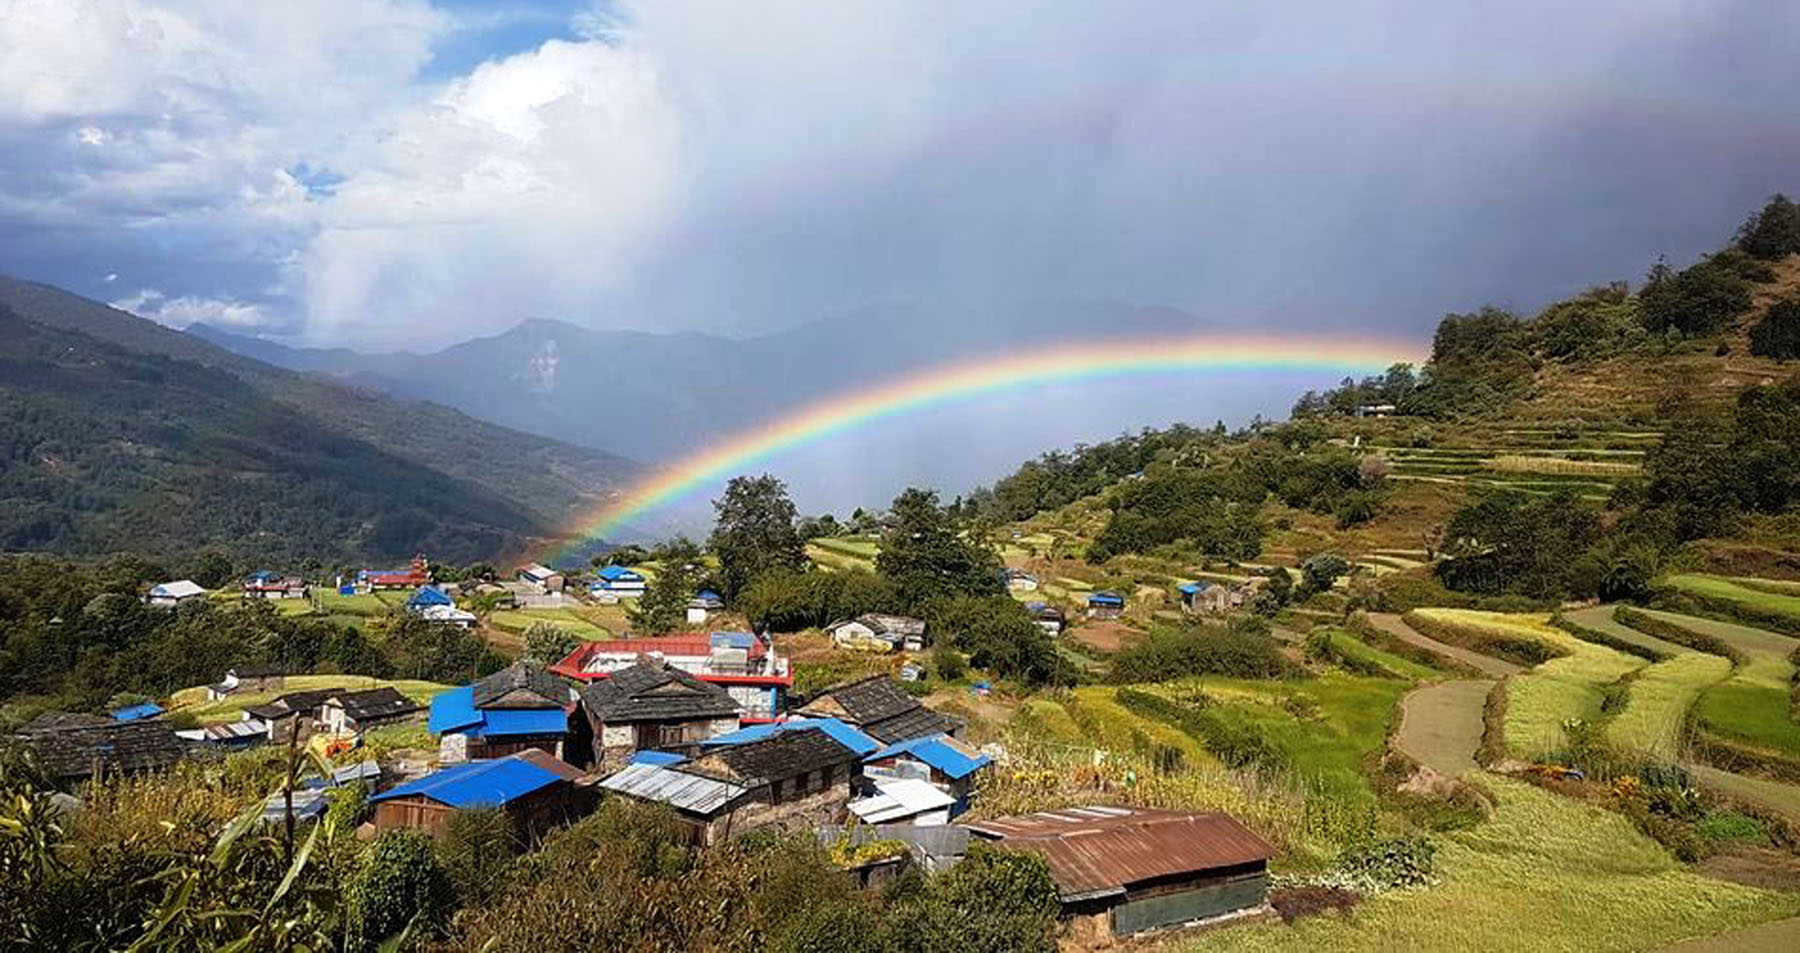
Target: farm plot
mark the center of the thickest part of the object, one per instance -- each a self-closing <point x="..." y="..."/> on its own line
<point x="1544" y="873"/>
<point x="516" y="621"/>
<point x="1362" y="657"/>
<point x="1744" y="604"/>
<point x="1657" y="703"/>
<point x="1539" y="701"/>
<point x="1748" y="717"/>
<point x="362" y="604"/>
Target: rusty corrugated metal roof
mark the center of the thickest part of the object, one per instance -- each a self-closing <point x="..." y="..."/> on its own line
<point x="1098" y="851"/>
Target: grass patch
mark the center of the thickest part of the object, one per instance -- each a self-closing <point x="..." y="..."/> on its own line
<point x="1545" y="873"/>
<point x="517" y="621"/>
<point x="1107" y="724"/>
<point x="362" y="604"/>
<point x="231" y="707"/>
<point x="1522" y="638"/>
<point x="1657" y="703"/>
<point x="1361" y="657"/>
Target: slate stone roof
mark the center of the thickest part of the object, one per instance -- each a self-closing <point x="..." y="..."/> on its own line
<point x="128" y="747"/>
<point x="292" y="703"/>
<point x="881" y="708"/>
<point x="491" y="692"/>
<point x="785" y="755"/>
<point x="375" y="704"/>
<point x="653" y="691"/>
<point x="61" y="720"/>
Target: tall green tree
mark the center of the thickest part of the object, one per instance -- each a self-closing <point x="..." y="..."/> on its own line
<point x="1777" y="335"/>
<point x="663" y="606"/>
<point x="927" y="556"/>
<point x="755" y="532"/>
<point x="1774" y="231"/>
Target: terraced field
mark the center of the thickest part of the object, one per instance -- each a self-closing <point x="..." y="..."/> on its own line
<point x="516" y="621"/>
<point x="1751" y="710"/>
<point x="1657" y="703"/>
<point x="1752" y="606"/>
<point x="1600" y="619"/>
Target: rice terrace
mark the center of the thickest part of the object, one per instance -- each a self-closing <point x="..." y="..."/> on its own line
<point x="881" y="477"/>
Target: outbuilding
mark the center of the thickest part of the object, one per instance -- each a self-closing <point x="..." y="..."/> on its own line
<point x="1134" y="870"/>
<point x="359" y="711"/>
<point x="171" y="594"/>
<point x="535" y="790"/>
<point x="1105" y="605"/>
<point x="620" y="581"/>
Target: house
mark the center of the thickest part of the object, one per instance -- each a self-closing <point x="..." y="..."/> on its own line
<point x="878" y="632"/>
<point x="1375" y="410"/>
<point x="1105" y="605"/>
<point x="170" y="594"/>
<point x="247" y="678"/>
<point x="358" y="711"/>
<point x="74" y="753"/>
<point x="415" y="575"/>
<point x="911" y="672"/>
<point x="938" y="760"/>
<point x="703" y="605"/>
<point x="1046" y="616"/>
<point x="1134" y="870"/>
<point x="137" y="712"/>
<point x="881" y="709"/>
<point x="649" y="705"/>
<point x="1208" y="597"/>
<point x="536" y="791"/>
<point x="514" y="709"/>
<point x="1018" y="580"/>
<point x="264" y="584"/>
<point x="842" y="733"/>
<point x="541" y="577"/>
<point x="292" y="713"/>
<point x="59" y="720"/>
<point x="426" y="597"/>
<point x="448" y="615"/>
<point x="620" y="581"/>
<point x="792" y="778"/>
<point x="743" y="663"/>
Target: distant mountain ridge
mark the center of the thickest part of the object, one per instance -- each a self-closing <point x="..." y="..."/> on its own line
<point x="654" y="396"/>
<point x="117" y="433"/>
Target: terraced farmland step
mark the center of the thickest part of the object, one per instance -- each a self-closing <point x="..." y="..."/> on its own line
<point x="1487" y="664"/>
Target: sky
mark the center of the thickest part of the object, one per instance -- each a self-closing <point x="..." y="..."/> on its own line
<point x="407" y="173"/>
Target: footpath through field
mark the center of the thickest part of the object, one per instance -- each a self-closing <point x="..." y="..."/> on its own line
<point x="1780" y="936"/>
<point x="1487" y="664"/>
<point x="1440" y="724"/>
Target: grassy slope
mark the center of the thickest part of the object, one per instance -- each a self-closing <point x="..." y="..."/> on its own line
<point x="1753" y="706"/>
<point x="231" y="708"/>
<point x="1544" y="874"/>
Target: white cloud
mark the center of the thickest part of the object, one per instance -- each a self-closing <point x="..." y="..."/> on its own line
<point x="186" y="310"/>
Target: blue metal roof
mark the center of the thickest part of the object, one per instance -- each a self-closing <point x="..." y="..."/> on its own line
<point x="935" y="750"/>
<point x="427" y="596"/>
<point x="455" y="710"/>
<point x="663" y="758"/>
<point x="477" y="783"/>
<point x="137" y="712"/>
<point x="1106" y="598"/>
<point x="1189" y="588"/>
<point x="619" y="574"/>
<point x="706" y="594"/>
<point x="841" y="733"/>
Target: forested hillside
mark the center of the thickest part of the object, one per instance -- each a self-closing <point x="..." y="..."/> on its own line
<point x="116" y="433"/>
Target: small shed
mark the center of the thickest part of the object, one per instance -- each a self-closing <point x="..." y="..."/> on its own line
<point x="535" y="790"/>
<point x="426" y="597"/>
<point x="170" y="594"/>
<point x="880" y="632"/>
<point x="938" y="760"/>
<point x="1046" y="617"/>
<point x="903" y="801"/>
<point x="1135" y="870"/>
<point x="1018" y="580"/>
<point x="1208" y="597"/>
<point x="1105" y="605"/>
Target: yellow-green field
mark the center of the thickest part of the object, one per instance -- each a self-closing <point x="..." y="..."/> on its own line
<point x="517" y="621"/>
<point x="1657" y="703"/>
<point x="231" y="707"/>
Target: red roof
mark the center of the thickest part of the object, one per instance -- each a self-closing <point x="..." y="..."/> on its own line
<point x="687" y="644"/>
<point x="1100" y="851"/>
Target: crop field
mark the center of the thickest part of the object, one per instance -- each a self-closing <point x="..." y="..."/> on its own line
<point x="1751" y="708"/>
<point x="1544" y="873"/>
<point x="1105" y="723"/>
<point x="1657" y="703"/>
<point x="517" y="621"/>
<point x="365" y="604"/>
<point x="231" y="707"/>
<point x="1540" y="700"/>
<point x="837" y="558"/>
<point x="1600" y="619"/>
<point x="1754" y="606"/>
<point x="1363" y="654"/>
<point x="1780" y="587"/>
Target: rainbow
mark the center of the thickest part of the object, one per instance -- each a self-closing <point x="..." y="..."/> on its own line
<point x="944" y="384"/>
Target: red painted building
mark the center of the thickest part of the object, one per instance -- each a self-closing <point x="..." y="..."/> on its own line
<point x="742" y="663"/>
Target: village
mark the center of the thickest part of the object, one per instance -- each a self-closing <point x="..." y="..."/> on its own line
<point x="703" y="722"/>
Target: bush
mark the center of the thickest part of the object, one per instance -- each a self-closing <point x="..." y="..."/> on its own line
<point x="398" y="885"/>
<point x="1777" y="335"/>
<point x="346" y="807"/>
<point x="1730" y="827"/>
<point x="994" y="901"/>
<point x="476" y="851"/>
<point x="547" y="643"/>
<point x="1200" y="650"/>
<point x="1390" y="863"/>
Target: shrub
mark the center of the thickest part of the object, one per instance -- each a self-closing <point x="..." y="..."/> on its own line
<point x="1200" y="650"/>
<point x="399" y="884"/>
<point x="547" y="643"/>
<point x="1730" y="827"/>
<point x="1390" y="863"/>
<point x="346" y="807"/>
<point x="1777" y="335"/>
<point x="476" y="851"/>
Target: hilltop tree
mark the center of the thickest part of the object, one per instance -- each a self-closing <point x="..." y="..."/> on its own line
<point x="1699" y="299"/>
<point x="755" y="532"/>
<point x="926" y="557"/>
<point x="1772" y="232"/>
<point x="664" y="604"/>
<point x="1777" y="335"/>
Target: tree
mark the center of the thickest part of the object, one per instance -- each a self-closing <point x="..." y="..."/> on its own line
<point x="663" y="606"/>
<point x="997" y="634"/>
<point x="1772" y="232"/>
<point x="627" y="555"/>
<point x="1320" y="572"/>
<point x="1697" y="300"/>
<point x="399" y="883"/>
<point x="212" y="569"/>
<point x="547" y="643"/>
<point x="1777" y="335"/>
<point x="994" y="901"/>
<point x="1537" y="546"/>
<point x="927" y="558"/>
<point x="755" y="532"/>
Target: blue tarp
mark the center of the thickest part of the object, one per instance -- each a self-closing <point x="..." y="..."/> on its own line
<point x="662" y="758"/>
<point x="428" y="596"/>
<point x="843" y="734"/>
<point x="1106" y="599"/>
<point x="455" y="710"/>
<point x="137" y="712"/>
<point x="477" y="784"/>
<point x="619" y="574"/>
<point x="1189" y="588"/>
<point x="934" y="750"/>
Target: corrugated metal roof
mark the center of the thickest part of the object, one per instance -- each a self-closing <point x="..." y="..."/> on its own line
<point x="427" y="596"/>
<point x="658" y="758"/>
<point x="843" y="734"/>
<point x="135" y="712"/>
<point x="688" y="792"/>
<point x="452" y="710"/>
<point x="1099" y="851"/>
<point x="619" y="573"/>
<point x="941" y="752"/>
<point x="899" y="799"/>
<point x="478" y="783"/>
<point x="179" y="589"/>
<point x="227" y="731"/>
